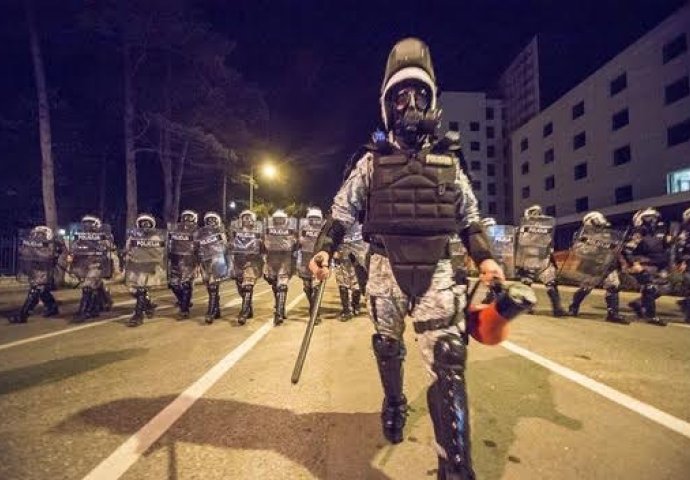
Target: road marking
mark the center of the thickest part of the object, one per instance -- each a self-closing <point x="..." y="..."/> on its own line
<point x="65" y="331"/>
<point x="679" y="325"/>
<point x="654" y="414"/>
<point x="135" y="446"/>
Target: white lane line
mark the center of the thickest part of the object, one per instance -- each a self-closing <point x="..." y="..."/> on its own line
<point x="135" y="446"/>
<point x="65" y="331"/>
<point x="681" y="325"/>
<point x="644" y="409"/>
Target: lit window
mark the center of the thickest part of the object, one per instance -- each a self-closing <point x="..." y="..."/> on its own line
<point x="678" y="181"/>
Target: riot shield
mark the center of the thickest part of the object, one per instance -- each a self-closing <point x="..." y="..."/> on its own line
<point x="35" y="258"/>
<point x="502" y="238"/>
<point x="594" y="251"/>
<point x="145" y="263"/>
<point x="307" y="241"/>
<point x="533" y="244"/>
<point x="182" y="259"/>
<point x="280" y="238"/>
<point x="245" y="248"/>
<point x="90" y="250"/>
<point x="212" y="252"/>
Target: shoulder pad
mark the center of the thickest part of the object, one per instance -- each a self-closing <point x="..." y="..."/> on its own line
<point x="449" y="143"/>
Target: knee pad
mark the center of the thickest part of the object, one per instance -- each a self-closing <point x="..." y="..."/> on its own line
<point x="450" y="354"/>
<point x="387" y="348"/>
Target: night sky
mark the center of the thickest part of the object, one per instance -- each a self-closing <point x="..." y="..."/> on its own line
<point x="319" y="65"/>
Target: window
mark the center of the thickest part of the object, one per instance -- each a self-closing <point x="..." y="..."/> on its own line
<point x="550" y="210"/>
<point x="476" y="185"/>
<point x="678" y="181"/>
<point x="524" y="144"/>
<point x="525" y="192"/>
<point x="475" y="165"/>
<point x="475" y="146"/>
<point x="677" y="90"/>
<point x="490" y="132"/>
<point x="678" y="133"/>
<point x="491" y="151"/>
<point x="548" y="129"/>
<point x="581" y="204"/>
<point x="489" y="113"/>
<point x="580" y="171"/>
<point x="491" y="170"/>
<point x="548" y="156"/>
<point x="474" y="126"/>
<point x="621" y="155"/>
<point x="454" y="126"/>
<point x="618" y="84"/>
<point x="579" y="140"/>
<point x="549" y="182"/>
<point x="578" y="110"/>
<point x="619" y="120"/>
<point x="675" y="47"/>
<point x="524" y="168"/>
<point x="492" y="208"/>
<point x="491" y="189"/>
<point x="624" y="194"/>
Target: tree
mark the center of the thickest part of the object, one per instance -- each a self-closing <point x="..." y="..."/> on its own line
<point x="47" y="165"/>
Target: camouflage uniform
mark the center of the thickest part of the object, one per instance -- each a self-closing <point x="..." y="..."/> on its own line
<point x="212" y="251"/>
<point x="351" y="271"/>
<point x="280" y="241"/>
<point x="309" y="228"/>
<point x="246" y="246"/>
<point x="144" y="267"/>
<point x="682" y="256"/>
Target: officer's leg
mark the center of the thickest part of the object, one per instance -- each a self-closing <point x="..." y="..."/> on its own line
<point x="281" y="298"/>
<point x="30" y="303"/>
<point x="388" y="315"/>
<point x="50" y="305"/>
<point x="684" y="303"/>
<point x="105" y="300"/>
<point x="213" y="302"/>
<point x="343" y="290"/>
<point x="185" y="298"/>
<point x="150" y="307"/>
<point x="649" y="295"/>
<point x="444" y="351"/>
<point x="178" y="292"/>
<point x="308" y="290"/>
<point x="548" y="277"/>
<point x="578" y="297"/>
<point x="137" y="317"/>
<point x="246" y="291"/>
<point x="612" y="285"/>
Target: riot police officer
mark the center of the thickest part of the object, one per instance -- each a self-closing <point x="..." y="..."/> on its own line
<point x="182" y="261"/>
<point x="90" y="261"/>
<point x="38" y="252"/>
<point x="212" y="248"/>
<point x="609" y="266"/>
<point x="144" y="263"/>
<point x="534" y="255"/>
<point x="646" y="254"/>
<point x="682" y="246"/>
<point x="351" y="257"/>
<point x="246" y="247"/>
<point x="414" y="195"/>
<point x="309" y="229"/>
<point x="280" y="241"/>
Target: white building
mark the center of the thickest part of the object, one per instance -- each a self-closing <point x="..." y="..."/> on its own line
<point x="618" y="141"/>
<point x="479" y="122"/>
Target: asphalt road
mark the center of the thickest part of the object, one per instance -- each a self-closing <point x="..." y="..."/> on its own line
<point x="562" y="399"/>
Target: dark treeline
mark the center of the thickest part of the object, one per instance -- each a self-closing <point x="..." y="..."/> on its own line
<point x="118" y="106"/>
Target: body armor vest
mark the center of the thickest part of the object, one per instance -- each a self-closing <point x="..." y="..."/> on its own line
<point x="411" y="210"/>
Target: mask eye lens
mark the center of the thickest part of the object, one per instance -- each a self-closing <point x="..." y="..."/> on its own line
<point x="402" y="99"/>
<point x="421" y="99"/>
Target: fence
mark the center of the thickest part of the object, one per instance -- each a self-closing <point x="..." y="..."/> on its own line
<point x="8" y="257"/>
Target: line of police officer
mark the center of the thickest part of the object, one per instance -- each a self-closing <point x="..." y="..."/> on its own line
<point x="153" y="257"/>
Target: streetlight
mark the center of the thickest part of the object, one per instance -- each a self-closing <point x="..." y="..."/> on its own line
<point x="269" y="171"/>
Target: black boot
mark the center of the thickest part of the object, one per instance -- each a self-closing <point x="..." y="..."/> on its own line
<point x="684" y="305"/>
<point x="345" y="313"/>
<point x="580" y="294"/>
<point x="636" y="306"/>
<point x="356" y="302"/>
<point x="213" y="311"/>
<point x="613" y="307"/>
<point x="86" y="305"/>
<point x="649" y="295"/>
<point x="137" y="317"/>
<point x="390" y="354"/>
<point x="105" y="299"/>
<point x="246" y="310"/>
<point x="149" y="306"/>
<point x="447" y="401"/>
<point x="555" y="297"/>
<point x="281" y="297"/>
<point x="185" y="300"/>
<point x="179" y="295"/>
<point x="50" y="306"/>
<point x="30" y="303"/>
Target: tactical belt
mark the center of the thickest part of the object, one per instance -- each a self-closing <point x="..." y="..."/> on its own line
<point x="377" y="248"/>
<point x="435" y="324"/>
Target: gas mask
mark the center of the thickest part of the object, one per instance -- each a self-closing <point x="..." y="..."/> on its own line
<point x="412" y="117"/>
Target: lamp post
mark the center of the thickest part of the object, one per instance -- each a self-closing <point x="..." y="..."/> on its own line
<point x="268" y="170"/>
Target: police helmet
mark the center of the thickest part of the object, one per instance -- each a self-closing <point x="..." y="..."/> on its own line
<point x="647" y="214"/>
<point x="248" y="213"/>
<point x="314" y="212"/>
<point x="91" y="220"/>
<point x="533" y="211"/>
<point x="189" y="216"/>
<point x="595" y="219"/>
<point x="686" y="215"/>
<point x="146" y="220"/>
<point x="488" y="221"/>
<point x="42" y="231"/>
<point x="212" y="218"/>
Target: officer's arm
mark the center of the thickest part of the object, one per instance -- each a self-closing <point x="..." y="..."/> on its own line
<point x="347" y="204"/>
<point x="472" y="231"/>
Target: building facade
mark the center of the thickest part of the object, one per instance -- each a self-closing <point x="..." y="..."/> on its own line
<point x="479" y="121"/>
<point x="616" y="142"/>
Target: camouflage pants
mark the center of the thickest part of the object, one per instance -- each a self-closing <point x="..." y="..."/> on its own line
<point x="278" y="268"/>
<point x="390" y="306"/>
<point x="94" y="277"/>
<point x="345" y="274"/>
<point x="246" y="269"/>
